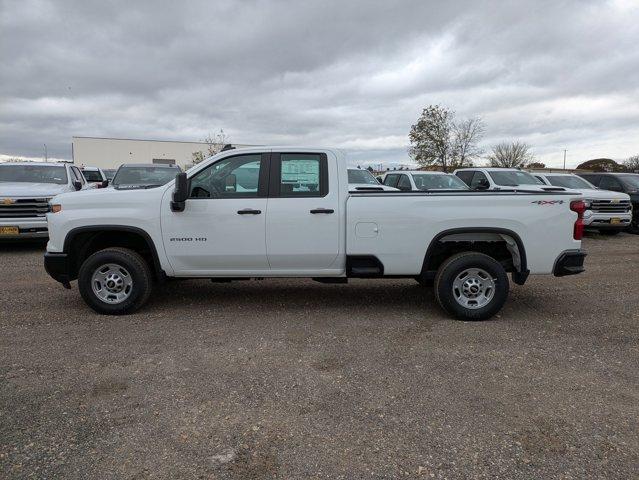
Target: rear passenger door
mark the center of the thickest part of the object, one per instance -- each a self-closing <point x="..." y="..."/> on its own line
<point x="303" y="217"/>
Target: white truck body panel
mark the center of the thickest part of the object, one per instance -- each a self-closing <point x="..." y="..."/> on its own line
<point x="284" y="240"/>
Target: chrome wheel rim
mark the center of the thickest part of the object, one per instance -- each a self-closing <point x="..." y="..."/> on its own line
<point x="474" y="288"/>
<point x="112" y="283"/>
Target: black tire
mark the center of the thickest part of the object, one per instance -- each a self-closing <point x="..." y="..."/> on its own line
<point x="609" y="233"/>
<point x="135" y="266"/>
<point x="456" y="265"/>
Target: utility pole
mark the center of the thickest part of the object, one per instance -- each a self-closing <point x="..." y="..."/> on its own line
<point x="46" y="157"/>
<point x="565" y="159"/>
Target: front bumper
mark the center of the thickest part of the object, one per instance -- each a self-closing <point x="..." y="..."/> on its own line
<point x="603" y="220"/>
<point x="57" y="266"/>
<point x="27" y="228"/>
<point x="570" y="262"/>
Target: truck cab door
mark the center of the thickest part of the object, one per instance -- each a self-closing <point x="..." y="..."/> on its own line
<point x="303" y="220"/>
<point x="221" y="230"/>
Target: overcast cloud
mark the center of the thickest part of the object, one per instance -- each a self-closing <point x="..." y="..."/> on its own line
<point x="352" y="74"/>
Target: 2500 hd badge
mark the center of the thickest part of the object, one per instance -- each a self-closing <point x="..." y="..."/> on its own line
<point x="188" y="239"/>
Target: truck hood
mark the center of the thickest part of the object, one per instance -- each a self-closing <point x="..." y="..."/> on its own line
<point x="103" y="198"/>
<point x="24" y="189"/>
<point x="604" y="195"/>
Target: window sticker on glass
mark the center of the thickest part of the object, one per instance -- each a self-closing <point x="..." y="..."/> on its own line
<point x="300" y="174"/>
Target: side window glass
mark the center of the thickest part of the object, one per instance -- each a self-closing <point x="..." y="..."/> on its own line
<point x="303" y="175"/>
<point x="610" y="183"/>
<point x="404" y="183"/>
<point x="233" y="177"/>
<point x="465" y="176"/>
<point x="478" y="178"/>
<point x="391" y="180"/>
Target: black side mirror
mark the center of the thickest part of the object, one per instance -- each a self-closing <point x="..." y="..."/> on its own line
<point x="105" y="183"/>
<point x="77" y="184"/>
<point x="380" y="180"/>
<point x="181" y="192"/>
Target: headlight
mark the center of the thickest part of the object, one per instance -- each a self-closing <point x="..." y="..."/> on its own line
<point x="55" y="208"/>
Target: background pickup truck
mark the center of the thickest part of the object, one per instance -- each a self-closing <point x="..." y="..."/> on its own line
<point x="25" y="191"/>
<point x="288" y="212"/>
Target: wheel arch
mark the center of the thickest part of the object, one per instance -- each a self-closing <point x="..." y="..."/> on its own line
<point x="520" y="266"/>
<point x="80" y="242"/>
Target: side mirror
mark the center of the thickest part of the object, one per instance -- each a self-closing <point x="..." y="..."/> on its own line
<point x="181" y="192"/>
<point x="77" y="184"/>
<point x="482" y="185"/>
<point x="230" y="183"/>
<point x="105" y="184"/>
<point x="380" y="180"/>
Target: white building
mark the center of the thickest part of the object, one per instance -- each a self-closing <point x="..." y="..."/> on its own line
<point x="113" y="152"/>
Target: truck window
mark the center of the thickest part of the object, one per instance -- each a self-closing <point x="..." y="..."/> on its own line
<point x="300" y="175"/>
<point x="594" y="179"/>
<point x="478" y="178"/>
<point x="391" y="180"/>
<point x="610" y="183"/>
<point x="233" y="177"/>
<point x="466" y="176"/>
<point x="404" y="183"/>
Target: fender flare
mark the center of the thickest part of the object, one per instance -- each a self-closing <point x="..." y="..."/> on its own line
<point x="71" y="234"/>
<point x="519" y="276"/>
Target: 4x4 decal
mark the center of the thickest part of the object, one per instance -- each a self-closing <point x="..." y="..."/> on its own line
<point x="548" y="202"/>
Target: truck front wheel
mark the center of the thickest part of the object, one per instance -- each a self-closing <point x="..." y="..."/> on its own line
<point x="471" y="286"/>
<point x="115" y="281"/>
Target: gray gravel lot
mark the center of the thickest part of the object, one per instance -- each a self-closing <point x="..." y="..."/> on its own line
<point x="295" y="379"/>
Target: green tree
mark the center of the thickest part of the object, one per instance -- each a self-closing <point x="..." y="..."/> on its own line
<point x="601" y="165"/>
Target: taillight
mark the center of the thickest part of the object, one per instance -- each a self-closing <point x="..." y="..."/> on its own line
<point x="578" y="206"/>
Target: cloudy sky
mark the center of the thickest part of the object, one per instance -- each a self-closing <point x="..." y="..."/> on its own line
<point x="352" y="74"/>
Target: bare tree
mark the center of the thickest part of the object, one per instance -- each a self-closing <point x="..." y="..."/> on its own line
<point x="215" y="144"/>
<point x="511" y="154"/>
<point x="431" y="137"/>
<point x="467" y="135"/>
<point x="632" y="164"/>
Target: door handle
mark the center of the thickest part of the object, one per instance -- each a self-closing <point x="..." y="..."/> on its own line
<point x="322" y="210"/>
<point x="249" y="211"/>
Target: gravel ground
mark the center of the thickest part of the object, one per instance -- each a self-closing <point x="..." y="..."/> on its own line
<point x="295" y="379"/>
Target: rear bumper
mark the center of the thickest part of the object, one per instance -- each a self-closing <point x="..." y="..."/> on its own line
<point x="570" y="262"/>
<point x="57" y="266"/>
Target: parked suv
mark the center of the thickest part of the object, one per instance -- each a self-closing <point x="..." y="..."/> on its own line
<point x="619" y="182"/>
<point x="496" y="178"/>
<point x="420" y="181"/>
<point x="25" y="191"/>
<point x="610" y="212"/>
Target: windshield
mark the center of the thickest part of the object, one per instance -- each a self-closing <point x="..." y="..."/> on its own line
<point x="513" y="178"/>
<point x="630" y="181"/>
<point x="361" y="176"/>
<point x="144" y="176"/>
<point x="92" y="175"/>
<point x="438" y="182"/>
<point x="569" y="181"/>
<point x="33" y="174"/>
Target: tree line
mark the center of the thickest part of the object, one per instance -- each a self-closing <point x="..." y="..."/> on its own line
<point x="439" y="139"/>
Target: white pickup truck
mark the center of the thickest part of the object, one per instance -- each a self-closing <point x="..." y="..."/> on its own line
<point x="288" y="212"/>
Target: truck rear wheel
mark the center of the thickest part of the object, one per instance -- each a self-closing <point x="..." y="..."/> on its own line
<point x="471" y="286"/>
<point x="115" y="281"/>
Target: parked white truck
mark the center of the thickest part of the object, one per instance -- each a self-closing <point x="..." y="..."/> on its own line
<point x="288" y="212"/>
<point x="25" y="191"/>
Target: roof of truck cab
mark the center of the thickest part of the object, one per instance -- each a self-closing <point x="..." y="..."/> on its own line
<point x="417" y="172"/>
<point x="492" y="169"/>
<point x="38" y="164"/>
